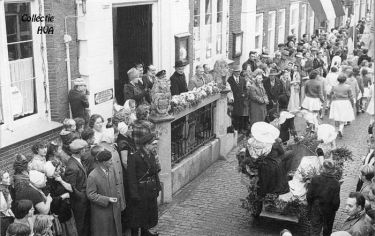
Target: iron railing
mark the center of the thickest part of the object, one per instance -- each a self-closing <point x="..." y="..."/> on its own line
<point x="192" y="131"/>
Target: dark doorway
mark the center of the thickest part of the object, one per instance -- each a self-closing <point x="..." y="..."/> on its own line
<point x="132" y="36"/>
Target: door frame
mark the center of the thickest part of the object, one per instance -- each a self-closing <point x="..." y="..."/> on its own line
<point x="154" y="25"/>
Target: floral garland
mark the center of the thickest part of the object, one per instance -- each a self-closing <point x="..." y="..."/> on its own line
<point x="192" y="98"/>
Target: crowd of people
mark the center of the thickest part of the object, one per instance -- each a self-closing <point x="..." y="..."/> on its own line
<point x="103" y="180"/>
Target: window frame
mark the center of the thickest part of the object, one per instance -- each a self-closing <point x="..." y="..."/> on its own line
<point x="202" y="43"/>
<point x="259" y="32"/>
<point x="41" y="77"/>
<point x="281" y="25"/>
<point x="271" y="30"/>
<point x="303" y="19"/>
<point x="294" y="25"/>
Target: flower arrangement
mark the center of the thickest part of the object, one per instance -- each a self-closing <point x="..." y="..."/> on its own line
<point x="192" y="98"/>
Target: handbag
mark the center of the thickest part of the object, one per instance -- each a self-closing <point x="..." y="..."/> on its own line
<point x="56" y="226"/>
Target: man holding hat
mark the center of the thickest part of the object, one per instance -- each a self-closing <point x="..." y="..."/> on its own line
<point x="104" y="198"/>
<point x="238" y="87"/>
<point x="144" y="186"/>
<point x="75" y="175"/>
<point x="133" y="90"/>
<point x="323" y="198"/>
<point x="78" y="101"/>
<point x="178" y="79"/>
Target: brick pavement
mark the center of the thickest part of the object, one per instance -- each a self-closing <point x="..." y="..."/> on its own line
<point x="210" y="204"/>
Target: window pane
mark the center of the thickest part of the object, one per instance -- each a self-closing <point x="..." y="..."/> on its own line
<point x="208" y="10"/>
<point x="219" y="17"/>
<point x="17" y="30"/>
<point x="219" y="5"/>
<point x="21" y="61"/>
<point x="257" y="41"/>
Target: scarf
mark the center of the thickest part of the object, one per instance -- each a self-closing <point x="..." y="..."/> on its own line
<point x="257" y="149"/>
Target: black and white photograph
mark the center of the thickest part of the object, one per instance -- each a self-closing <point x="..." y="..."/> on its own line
<point x="187" y="118"/>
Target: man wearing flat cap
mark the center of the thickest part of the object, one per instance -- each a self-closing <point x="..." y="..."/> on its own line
<point x="105" y="200"/>
<point x="76" y="176"/>
<point x="78" y="101"/>
<point x="238" y="86"/>
<point x="323" y="198"/>
<point x="144" y="186"/>
<point x="178" y="79"/>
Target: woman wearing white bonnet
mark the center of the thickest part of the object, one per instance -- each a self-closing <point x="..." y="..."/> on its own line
<point x="272" y="177"/>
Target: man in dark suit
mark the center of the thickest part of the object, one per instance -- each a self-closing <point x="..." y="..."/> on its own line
<point x="274" y="88"/>
<point x="75" y="174"/>
<point x="178" y="79"/>
<point x="323" y="197"/>
<point x="78" y="100"/>
<point x="238" y="87"/>
<point x="148" y="81"/>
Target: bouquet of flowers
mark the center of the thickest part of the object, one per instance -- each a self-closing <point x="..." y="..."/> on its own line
<point x="340" y="156"/>
<point x="192" y="98"/>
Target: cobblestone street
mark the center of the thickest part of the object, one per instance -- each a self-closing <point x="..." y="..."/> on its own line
<point x="210" y="204"/>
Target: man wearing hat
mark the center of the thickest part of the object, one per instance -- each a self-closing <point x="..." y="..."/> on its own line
<point x="323" y="198"/>
<point x="104" y="198"/>
<point x="144" y="186"/>
<point x="238" y="87"/>
<point x="133" y="89"/>
<point x="78" y="101"/>
<point x="274" y="88"/>
<point x="76" y="176"/>
<point x="178" y="79"/>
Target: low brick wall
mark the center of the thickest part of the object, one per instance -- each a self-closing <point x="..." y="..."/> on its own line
<point x="8" y="153"/>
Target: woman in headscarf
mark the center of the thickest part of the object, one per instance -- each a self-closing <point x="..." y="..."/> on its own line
<point x="257" y="98"/>
<point x="33" y="192"/>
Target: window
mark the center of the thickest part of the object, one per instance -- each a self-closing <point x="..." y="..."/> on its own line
<point x="22" y="94"/>
<point x="196" y="29"/>
<point x="311" y="21"/>
<point x="210" y="29"/>
<point x="219" y="27"/>
<point x="259" y="32"/>
<point x="294" y="17"/>
<point x="271" y="31"/>
<point x="281" y="26"/>
<point x="20" y="56"/>
<point x="303" y="19"/>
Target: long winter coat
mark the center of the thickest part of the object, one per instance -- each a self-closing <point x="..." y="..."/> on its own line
<point x="105" y="215"/>
<point x="258" y="100"/>
<point x="239" y="96"/>
<point x="142" y="207"/>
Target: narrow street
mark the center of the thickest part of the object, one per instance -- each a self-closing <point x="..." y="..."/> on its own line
<point x="210" y="205"/>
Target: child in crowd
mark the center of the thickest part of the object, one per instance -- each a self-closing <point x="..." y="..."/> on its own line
<point x="68" y="134"/>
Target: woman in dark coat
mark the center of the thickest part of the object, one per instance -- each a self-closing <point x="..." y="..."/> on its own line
<point x="144" y="186"/>
<point x="104" y="198"/>
<point x="257" y="98"/>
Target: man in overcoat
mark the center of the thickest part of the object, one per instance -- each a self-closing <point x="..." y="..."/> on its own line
<point x="274" y="88"/>
<point x="323" y="197"/>
<point x="144" y="186"/>
<point x="104" y="198"/>
<point x="78" y="101"/>
<point x="75" y="175"/>
<point x="178" y="79"/>
<point x="238" y="87"/>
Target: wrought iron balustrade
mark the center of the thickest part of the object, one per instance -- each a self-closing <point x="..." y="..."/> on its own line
<point x="192" y="131"/>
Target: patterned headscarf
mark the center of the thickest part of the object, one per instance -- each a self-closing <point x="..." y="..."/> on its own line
<point x="257" y="149"/>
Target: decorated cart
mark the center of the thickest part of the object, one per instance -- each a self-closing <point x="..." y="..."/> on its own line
<point x="300" y="162"/>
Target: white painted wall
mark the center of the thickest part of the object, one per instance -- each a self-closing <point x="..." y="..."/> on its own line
<point x="248" y="19"/>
